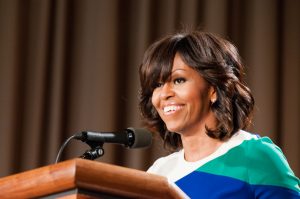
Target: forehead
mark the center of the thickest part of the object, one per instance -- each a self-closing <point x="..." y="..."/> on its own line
<point x="179" y="66"/>
<point x="178" y="63"/>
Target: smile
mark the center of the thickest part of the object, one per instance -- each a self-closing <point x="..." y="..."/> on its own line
<point x="171" y="109"/>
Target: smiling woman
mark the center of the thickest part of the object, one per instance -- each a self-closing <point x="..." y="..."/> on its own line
<point x="213" y="60"/>
<point x="184" y="99"/>
<point x="194" y="95"/>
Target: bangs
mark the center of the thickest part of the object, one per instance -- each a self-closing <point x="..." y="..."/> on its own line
<point x="161" y="69"/>
<point x="158" y="63"/>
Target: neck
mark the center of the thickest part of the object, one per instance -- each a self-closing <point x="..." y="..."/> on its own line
<point x="196" y="143"/>
<point x="197" y="147"/>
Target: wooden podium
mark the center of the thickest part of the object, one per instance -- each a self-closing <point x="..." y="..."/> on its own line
<point x="85" y="179"/>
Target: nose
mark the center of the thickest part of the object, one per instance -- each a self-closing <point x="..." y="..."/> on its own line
<point x="166" y="91"/>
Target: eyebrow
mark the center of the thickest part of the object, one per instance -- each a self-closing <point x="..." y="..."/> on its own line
<point x="177" y="70"/>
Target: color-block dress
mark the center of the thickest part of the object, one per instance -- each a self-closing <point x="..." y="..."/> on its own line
<point x="246" y="166"/>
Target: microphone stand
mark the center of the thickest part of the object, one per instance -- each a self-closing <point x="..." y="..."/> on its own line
<point x="96" y="151"/>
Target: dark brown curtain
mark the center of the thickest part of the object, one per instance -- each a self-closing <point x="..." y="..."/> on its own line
<point x="72" y="65"/>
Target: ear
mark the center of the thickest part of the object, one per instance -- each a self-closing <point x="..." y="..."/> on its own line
<point x="213" y="94"/>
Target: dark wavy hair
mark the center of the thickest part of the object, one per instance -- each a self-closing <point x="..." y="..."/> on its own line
<point x="218" y="62"/>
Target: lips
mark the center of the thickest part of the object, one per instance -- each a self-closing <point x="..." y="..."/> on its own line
<point x="171" y="109"/>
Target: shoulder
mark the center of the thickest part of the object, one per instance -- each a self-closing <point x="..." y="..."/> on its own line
<point x="264" y="151"/>
<point x="267" y="165"/>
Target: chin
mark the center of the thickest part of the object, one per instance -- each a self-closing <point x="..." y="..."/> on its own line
<point x="175" y="129"/>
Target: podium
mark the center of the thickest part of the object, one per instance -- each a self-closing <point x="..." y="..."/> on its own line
<point x="85" y="179"/>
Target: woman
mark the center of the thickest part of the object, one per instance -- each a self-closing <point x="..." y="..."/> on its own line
<point x="193" y="94"/>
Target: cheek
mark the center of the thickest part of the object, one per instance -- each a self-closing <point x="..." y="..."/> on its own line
<point x="204" y="102"/>
<point x="155" y="100"/>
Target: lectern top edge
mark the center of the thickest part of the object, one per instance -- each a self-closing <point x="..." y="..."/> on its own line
<point x="86" y="175"/>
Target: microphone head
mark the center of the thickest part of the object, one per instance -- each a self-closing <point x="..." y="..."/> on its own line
<point x="142" y="137"/>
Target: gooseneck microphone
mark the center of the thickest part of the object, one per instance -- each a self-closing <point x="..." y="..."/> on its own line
<point x="130" y="138"/>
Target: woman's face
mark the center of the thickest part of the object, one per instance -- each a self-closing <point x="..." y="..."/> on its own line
<point x="183" y="101"/>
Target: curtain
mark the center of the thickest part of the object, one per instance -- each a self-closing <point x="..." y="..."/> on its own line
<point x="70" y="65"/>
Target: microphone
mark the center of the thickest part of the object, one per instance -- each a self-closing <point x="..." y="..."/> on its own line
<point x="130" y="137"/>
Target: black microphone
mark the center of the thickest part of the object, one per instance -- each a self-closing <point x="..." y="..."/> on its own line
<point x="130" y="137"/>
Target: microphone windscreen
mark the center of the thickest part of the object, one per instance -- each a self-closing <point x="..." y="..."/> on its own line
<point x="142" y="137"/>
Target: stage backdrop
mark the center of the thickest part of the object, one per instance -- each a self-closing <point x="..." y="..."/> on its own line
<point x="72" y="65"/>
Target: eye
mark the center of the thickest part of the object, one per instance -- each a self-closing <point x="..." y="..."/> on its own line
<point x="159" y="84"/>
<point x="179" y="80"/>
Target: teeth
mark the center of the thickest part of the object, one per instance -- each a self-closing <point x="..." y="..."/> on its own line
<point x="170" y="108"/>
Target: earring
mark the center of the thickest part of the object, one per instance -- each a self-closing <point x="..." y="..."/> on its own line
<point x="213" y="100"/>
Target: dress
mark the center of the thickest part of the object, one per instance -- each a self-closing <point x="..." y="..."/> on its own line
<point x="246" y="166"/>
